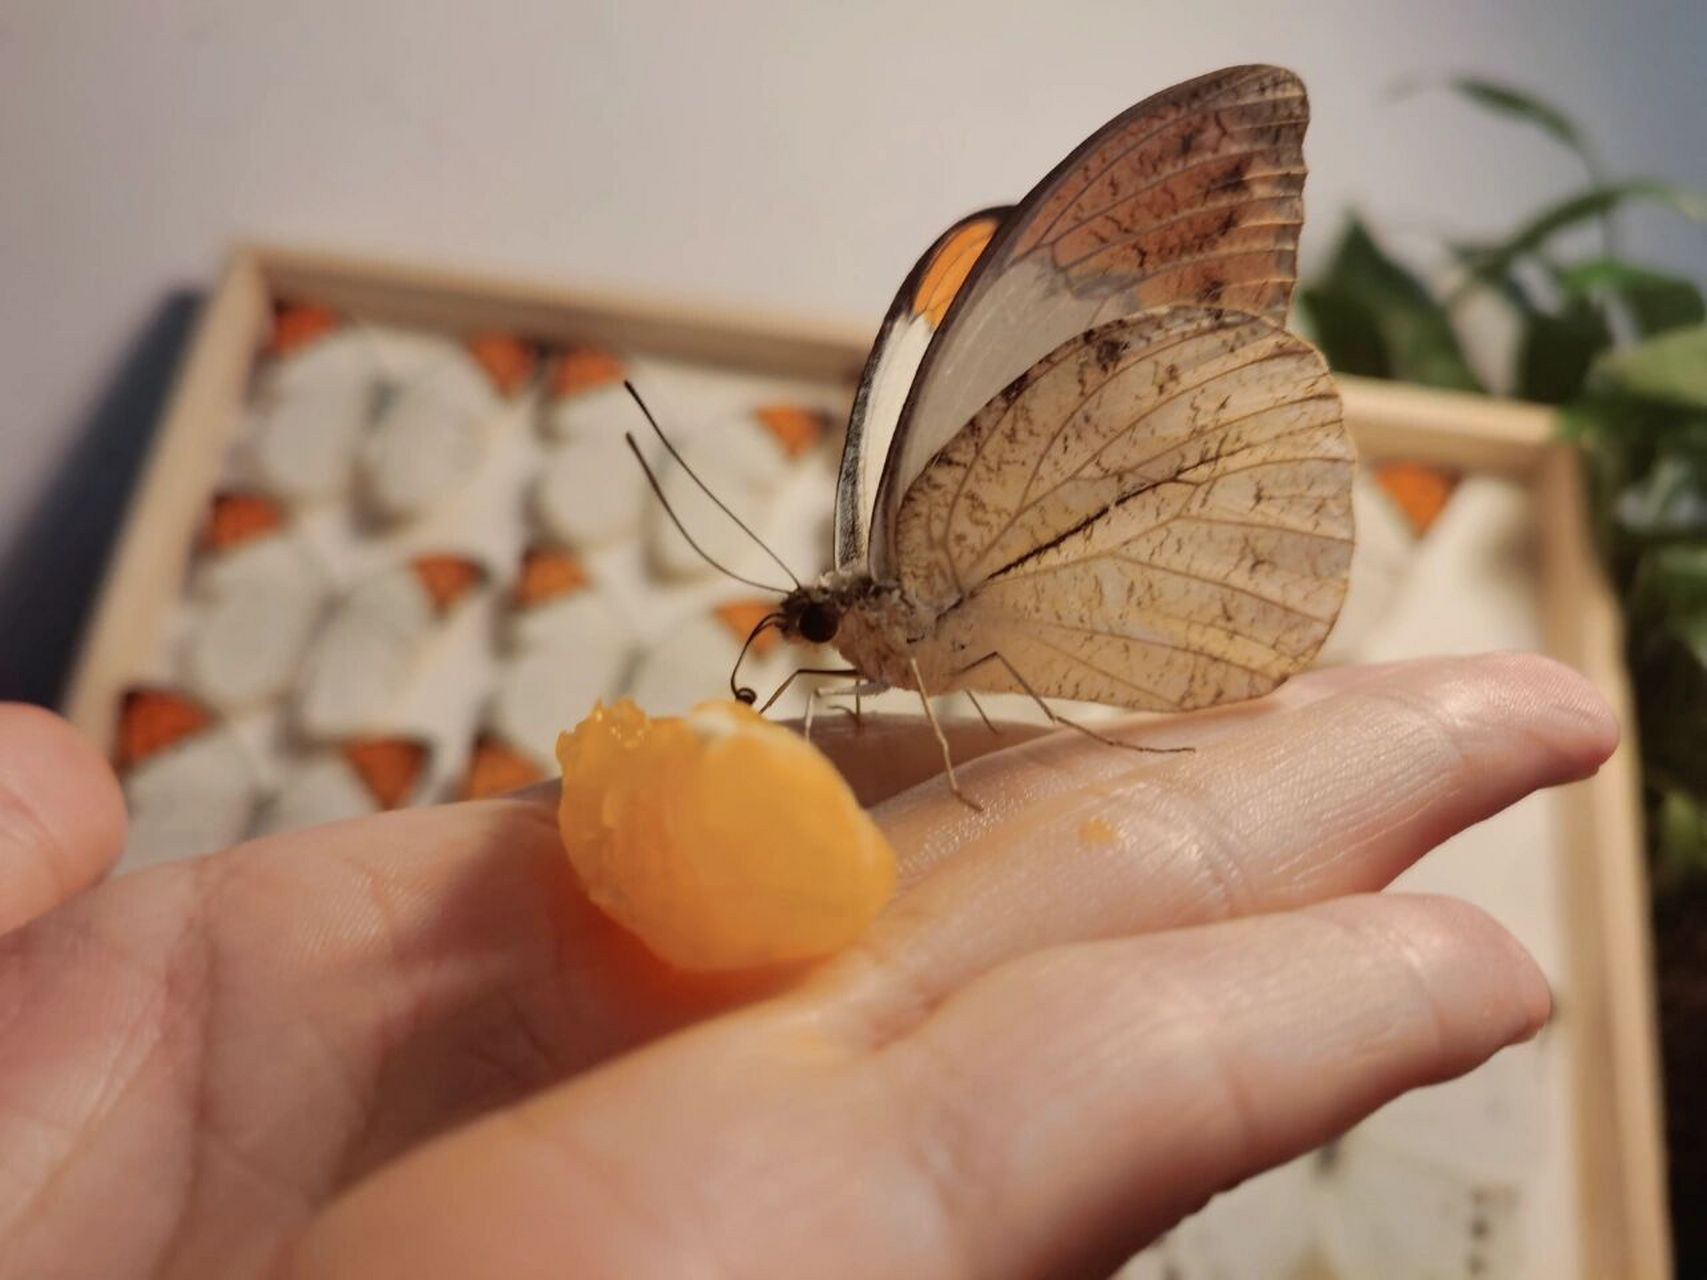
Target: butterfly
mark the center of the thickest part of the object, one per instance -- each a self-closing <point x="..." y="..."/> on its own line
<point x="1085" y="459"/>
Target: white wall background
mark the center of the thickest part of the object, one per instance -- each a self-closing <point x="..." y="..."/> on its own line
<point x="792" y="155"/>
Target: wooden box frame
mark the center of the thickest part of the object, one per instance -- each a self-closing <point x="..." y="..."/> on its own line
<point x="1623" y="1214"/>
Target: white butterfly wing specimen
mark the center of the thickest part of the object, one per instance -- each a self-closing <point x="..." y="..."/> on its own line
<point x="1194" y="195"/>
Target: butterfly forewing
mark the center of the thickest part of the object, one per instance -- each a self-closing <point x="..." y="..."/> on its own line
<point x="913" y="318"/>
<point x="1157" y="515"/>
<point x="1192" y="196"/>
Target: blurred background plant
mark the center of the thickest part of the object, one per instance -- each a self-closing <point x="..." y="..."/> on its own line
<point x="1621" y="348"/>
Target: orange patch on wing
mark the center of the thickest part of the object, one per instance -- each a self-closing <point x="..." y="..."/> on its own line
<point x="1420" y="492"/>
<point x="582" y="369"/>
<point x="548" y="573"/>
<point x="797" y="430"/>
<point x="506" y="360"/>
<point x="949" y="268"/>
<point x="741" y="616"/>
<point x="447" y="578"/>
<point x="151" y="720"/>
<point x="495" y="769"/>
<point x="296" y="326"/>
<point x="236" y="518"/>
<point x="388" y="767"/>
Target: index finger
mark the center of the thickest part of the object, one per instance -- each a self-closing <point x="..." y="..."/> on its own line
<point x="61" y="816"/>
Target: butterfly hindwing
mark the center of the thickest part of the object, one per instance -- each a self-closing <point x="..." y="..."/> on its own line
<point x="1193" y="196"/>
<point x="1156" y="515"/>
<point x="913" y="318"/>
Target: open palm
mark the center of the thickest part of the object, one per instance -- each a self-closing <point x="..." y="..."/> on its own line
<point x="406" y="1045"/>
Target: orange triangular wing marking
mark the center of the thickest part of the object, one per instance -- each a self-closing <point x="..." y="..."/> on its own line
<point x="741" y="616"/>
<point x="582" y="369"/>
<point x="151" y="720"/>
<point x="236" y="518"/>
<point x="797" y="430"/>
<point x="1420" y="492"/>
<point x="507" y="361"/>
<point x="388" y="767"/>
<point x="496" y="769"/>
<point x="949" y="267"/>
<point x="548" y="573"/>
<point x="447" y="578"/>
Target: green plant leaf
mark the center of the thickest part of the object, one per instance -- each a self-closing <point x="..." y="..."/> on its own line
<point x="1489" y="263"/>
<point x="1671" y="368"/>
<point x="1346" y="329"/>
<point x="1656" y="302"/>
<point x="1680" y="837"/>
<point x="1521" y="105"/>
<point x="1670" y="501"/>
<point x="1373" y="317"/>
<point x="1558" y="350"/>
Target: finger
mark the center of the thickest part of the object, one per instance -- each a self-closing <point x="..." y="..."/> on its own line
<point x="1046" y="1121"/>
<point x="1148" y="1074"/>
<point x="1335" y="797"/>
<point x="882" y="756"/>
<point x="1045" y="762"/>
<point x="61" y="814"/>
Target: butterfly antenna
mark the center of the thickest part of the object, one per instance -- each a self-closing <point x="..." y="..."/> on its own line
<point x="676" y="520"/>
<point x="703" y="487"/>
<point x="741" y="692"/>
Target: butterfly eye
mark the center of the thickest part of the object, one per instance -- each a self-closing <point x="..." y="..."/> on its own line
<point x="818" y="623"/>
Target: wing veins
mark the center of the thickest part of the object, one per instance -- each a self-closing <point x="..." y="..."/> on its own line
<point x="1146" y="611"/>
<point x="1116" y="554"/>
<point x="1091" y="176"/>
<point x="1086" y="663"/>
<point x="1024" y="499"/>
<point x="1254" y="524"/>
<point x="1027" y="503"/>
<point x="1125" y="639"/>
<point x="1109" y="245"/>
<point x="1201" y="162"/>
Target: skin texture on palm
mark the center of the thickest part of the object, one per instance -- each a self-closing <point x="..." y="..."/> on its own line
<point x="407" y="1045"/>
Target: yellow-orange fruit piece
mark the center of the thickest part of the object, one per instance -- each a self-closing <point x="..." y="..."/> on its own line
<point x="496" y="769"/>
<point x="506" y="360"/>
<point x="583" y="368"/>
<point x="388" y="767"/>
<point x="548" y="573"/>
<point x="720" y="839"/>
<point x="447" y="578"/>
<point x="797" y="430"/>
<point x="236" y="518"/>
<point x="295" y="327"/>
<point x="151" y="720"/>
<point x="741" y="616"/>
<point x="1418" y="491"/>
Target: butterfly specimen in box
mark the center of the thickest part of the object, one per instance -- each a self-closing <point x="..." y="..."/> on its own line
<point x="1086" y="460"/>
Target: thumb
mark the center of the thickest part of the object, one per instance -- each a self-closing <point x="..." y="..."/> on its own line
<point x="61" y="814"/>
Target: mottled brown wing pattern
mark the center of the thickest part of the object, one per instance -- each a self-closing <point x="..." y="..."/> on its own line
<point x="1158" y="515"/>
<point x="1194" y="196"/>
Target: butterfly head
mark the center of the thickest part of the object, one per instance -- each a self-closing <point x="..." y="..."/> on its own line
<point x="812" y="613"/>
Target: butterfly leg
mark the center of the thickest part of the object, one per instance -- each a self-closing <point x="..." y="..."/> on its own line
<point x="804" y="671"/>
<point x="817" y="695"/>
<point x="1055" y="717"/>
<point x="979" y="708"/>
<point x="941" y="741"/>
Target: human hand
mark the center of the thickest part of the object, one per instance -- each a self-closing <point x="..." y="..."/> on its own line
<point x="407" y="1045"/>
